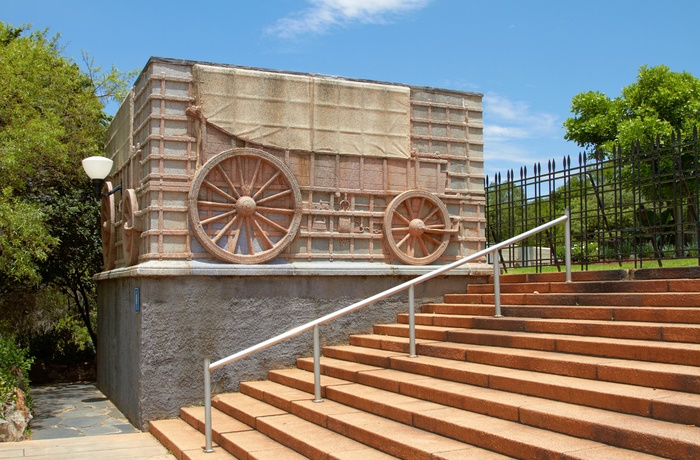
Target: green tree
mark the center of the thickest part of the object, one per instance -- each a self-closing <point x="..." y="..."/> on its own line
<point x="51" y="117"/>
<point x="649" y="113"/>
<point x="658" y="103"/>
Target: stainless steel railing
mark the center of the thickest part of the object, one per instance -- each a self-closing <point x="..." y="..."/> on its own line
<point x="408" y="285"/>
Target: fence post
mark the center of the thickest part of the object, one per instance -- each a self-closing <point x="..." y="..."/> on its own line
<point x="207" y="408"/>
<point x="567" y="244"/>
<point x="317" y="366"/>
<point x="497" y="286"/>
<point x="411" y="322"/>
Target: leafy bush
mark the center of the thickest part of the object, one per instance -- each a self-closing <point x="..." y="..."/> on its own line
<point x="14" y="371"/>
<point x="584" y="252"/>
<point x="67" y="342"/>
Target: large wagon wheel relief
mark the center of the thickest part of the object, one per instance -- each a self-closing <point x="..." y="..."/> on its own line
<point x="417" y="227"/>
<point x="244" y="206"/>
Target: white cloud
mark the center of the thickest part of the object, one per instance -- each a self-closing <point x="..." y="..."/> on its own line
<point x="515" y="134"/>
<point x="322" y="15"/>
<point x="503" y="111"/>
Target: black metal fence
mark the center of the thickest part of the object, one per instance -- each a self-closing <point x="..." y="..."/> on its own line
<point x="636" y="206"/>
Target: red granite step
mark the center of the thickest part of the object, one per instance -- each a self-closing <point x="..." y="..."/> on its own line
<point x="636" y="299"/>
<point x="641" y="350"/>
<point x="613" y="329"/>
<point x="306" y="438"/>
<point x="688" y="315"/>
<point x="491" y="388"/>
<point x="184" y="441"/>
<point x="391" y="352"/>
<point x="331" y="430"/>
<point x="626" y="286"/>
<point x="621" y="430"/>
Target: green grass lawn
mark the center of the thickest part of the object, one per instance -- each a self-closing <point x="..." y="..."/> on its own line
<point x="647" y="263"/>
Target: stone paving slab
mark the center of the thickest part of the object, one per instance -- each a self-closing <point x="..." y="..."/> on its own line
<point x="77" y="422"/>
<point x="74" y="410"/>
<point x="141" y="446"/>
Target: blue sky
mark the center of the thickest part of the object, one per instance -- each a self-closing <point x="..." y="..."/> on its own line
<point x="528" y="58"/>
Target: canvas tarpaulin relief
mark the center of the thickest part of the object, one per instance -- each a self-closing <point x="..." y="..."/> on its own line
<point x="306" y="112"/>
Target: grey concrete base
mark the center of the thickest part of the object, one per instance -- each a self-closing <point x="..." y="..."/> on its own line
<point x="152" y="344"/>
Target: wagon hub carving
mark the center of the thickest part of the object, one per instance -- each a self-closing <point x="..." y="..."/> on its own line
<point x="416" y="227"/>
<point x="245" y="206"/>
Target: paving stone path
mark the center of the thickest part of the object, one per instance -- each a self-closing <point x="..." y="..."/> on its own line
<point x="74" y="410"/>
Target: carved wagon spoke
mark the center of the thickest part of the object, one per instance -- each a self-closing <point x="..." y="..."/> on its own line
<point x="253" y="178"/>
<point x="276" y="210"/>
<point x="263" y="235"/>
<point x="422" y="245"/>
<point x="267" y="184"/>
<point x="219" y="191"/>
<point x="271" y="223"/>
<point x="229" y="182"/>
<point x="223" y="231"/>
<point x="274" y="197"/>
<point x="262" y="212"/>
<point x="416" y="227"/>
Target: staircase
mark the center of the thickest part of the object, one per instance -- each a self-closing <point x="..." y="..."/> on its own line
<point x="606" y="367"/>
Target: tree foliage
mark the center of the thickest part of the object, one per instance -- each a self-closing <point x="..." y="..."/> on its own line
<point x="659" y="103"/>
<point x="51" y="117"/>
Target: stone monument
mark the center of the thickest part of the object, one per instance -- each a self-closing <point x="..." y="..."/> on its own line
<point x="254" y="201"/>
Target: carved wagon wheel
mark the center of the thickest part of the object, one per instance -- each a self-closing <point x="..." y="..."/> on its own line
<point x="244" y="206"/>
<point x="131" y="227"/>
<point x="417" y="227"/>
<point x="107" y="220"/>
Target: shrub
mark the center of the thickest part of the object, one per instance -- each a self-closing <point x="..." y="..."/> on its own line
<point x="66" y="342"/>
<point x="14" y="371"/>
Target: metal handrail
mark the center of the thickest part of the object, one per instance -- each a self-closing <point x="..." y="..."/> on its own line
<point x="410" y="285"/>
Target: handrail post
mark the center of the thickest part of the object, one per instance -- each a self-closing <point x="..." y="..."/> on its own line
<point x="207" y="408"/>
<point x="412" y="322"/>
<point x="567" y="243"/>
<point x="496" y="285"/>
<point x="317" y="365"/>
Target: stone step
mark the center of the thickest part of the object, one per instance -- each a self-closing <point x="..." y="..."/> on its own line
<point x="515" y="433"/>
<point x="625" y="286"/>
<point x="641" y="350"/>
<point x="184" y="441"/>
<point x="238" y="438"/>
<point x="670" y="332"/>
<point x="392" y="352"/>
<point x="331" y="430"/>
<point x="636" y="299"/>
<point x="498" y="389"/>
<point x="615" y="274"/>
<point x="687" y="315"/>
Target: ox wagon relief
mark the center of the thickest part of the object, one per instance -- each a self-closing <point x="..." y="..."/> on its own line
<point x="297" y="167"/>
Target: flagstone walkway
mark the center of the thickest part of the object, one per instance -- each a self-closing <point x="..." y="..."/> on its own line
<point x="77" y="422"/>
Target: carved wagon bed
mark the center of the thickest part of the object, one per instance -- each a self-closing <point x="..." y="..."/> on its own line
<point x="284" y="167"/>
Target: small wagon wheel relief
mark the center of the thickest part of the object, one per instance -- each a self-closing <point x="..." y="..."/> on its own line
<point x="107" y="222"/>
<point x="417" y="227"/>
<point x="131" y="228"/>
<point x="245" y="206"/>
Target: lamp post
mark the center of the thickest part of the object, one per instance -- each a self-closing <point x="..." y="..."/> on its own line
<point x="97" y="168"/>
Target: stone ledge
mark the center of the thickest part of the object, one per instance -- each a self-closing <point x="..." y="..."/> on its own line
<point x="197" y="268"/>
